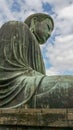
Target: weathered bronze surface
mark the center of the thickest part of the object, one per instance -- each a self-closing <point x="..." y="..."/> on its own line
<point x="23" y="82"/>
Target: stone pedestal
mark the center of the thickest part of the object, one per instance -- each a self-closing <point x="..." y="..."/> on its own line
<point x="36" y="119"/>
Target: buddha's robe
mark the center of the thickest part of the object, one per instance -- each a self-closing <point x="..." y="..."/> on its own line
<point x="20" y="59"/>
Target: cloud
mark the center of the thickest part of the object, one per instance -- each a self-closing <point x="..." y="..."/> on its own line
<point x="67" y="12"/>
<point x="52" y="71"/>
<point x="61" y="53"/>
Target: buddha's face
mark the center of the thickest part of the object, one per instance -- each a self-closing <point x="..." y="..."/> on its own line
<point x="42" y="30"/>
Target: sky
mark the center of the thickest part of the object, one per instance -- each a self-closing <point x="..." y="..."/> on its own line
<point x="58" y="50"/>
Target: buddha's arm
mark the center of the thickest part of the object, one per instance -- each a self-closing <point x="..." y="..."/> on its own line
<point x="55" y="92"/>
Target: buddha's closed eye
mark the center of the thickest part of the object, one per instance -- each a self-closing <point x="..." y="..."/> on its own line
<point x="48" y="26"/>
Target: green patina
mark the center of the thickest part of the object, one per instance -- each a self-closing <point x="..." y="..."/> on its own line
<point x="23" y="81"/>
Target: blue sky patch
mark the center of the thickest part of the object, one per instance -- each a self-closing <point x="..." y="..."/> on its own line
<point x="47" y="8"/>
<point x="15" y="7"/>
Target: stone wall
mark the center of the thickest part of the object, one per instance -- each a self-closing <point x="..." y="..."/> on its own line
<point x="36" y="119"/>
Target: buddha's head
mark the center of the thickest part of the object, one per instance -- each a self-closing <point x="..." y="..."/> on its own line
<point x="41" y="25"/>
